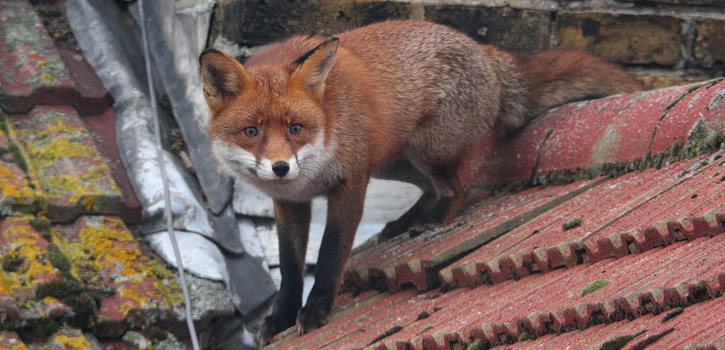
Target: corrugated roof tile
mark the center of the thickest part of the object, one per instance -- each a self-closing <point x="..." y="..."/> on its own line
<point x="404" y="260"/>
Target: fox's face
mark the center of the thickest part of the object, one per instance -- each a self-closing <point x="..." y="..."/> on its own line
<point x="267" y="124"/>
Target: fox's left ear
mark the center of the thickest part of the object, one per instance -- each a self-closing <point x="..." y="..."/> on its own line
<point x="314" y="66"/>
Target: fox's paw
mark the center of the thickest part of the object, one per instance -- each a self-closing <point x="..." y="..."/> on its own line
<point x="271" y="327"/>
<point x="310" y="319"/>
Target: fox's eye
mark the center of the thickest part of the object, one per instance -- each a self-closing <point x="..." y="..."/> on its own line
<point x="251" y="131"/>
<point x="295" y="129"/>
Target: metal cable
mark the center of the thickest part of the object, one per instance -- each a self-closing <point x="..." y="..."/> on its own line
<point x="165" y="180"/>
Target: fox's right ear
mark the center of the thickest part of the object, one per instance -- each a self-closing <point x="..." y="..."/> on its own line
<point x="222" y="77"/>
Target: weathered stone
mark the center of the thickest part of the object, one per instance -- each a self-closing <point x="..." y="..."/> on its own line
<point x="635" y="39"/>
<point x="376" y="11"/>
<point x="72" y="173"/>
<point x="709" y="47"/>
<point x="678" y="2"/>
<point x="651" y="82"/>
<point x="256" y="23"/>
<point x="516" y="30"/>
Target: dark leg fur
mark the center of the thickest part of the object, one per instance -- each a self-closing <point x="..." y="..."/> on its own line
<point x="293" y="223"/>
<point x="344" y="211"/>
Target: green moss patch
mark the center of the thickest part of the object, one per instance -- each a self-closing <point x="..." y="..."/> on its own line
<point x="594" y="286"/>
<point x="477" y="344"/>
<point x="571" y="224"/>
<point x="82" y="300"/>
<point x="58" y="260"/>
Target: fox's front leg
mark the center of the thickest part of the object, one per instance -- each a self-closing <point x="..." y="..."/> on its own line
<point x="344" y="210"/>
<point x="293" y="226"/>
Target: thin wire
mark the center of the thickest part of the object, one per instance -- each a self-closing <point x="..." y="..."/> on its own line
<point x="165" y="179"/>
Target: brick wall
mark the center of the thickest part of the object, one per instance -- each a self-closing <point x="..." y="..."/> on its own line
<point x="664" y="42"/>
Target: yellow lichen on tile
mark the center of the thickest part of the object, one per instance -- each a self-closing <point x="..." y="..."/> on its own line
<point x="76" y="256"/>
<point x="19" y="192"/>
<point x="171" y="292"/>
<point x="129" y="294"/>
<point x="50" y="300"/>
<point x="24" y="245"/>
<point x="60" y="126"/>
<point x="6" y="173"/>
<point x="8" y="283"/>
<point x="44" y="153"/>
<point x="63" y="182"/>
<point x="30" y="187"/>
<point x="47" y="77"/>
<point x="108" y="246"/>
<point x="19" y="346"/>
<point x="72" y="342"/>
<point x="42" y="63"/>
<point x="56" y="140"/>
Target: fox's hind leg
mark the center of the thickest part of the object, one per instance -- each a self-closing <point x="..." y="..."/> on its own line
<point x="441" y="200"/>
<point x="450" y="196"/>
<point x="400" y="169"/>
<point x="414" y="216"/>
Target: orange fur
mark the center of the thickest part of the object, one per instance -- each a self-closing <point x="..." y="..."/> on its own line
<point x="398" y="100"/>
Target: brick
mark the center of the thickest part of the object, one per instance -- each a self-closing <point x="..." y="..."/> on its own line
<point x="633" y="39"/>
<point x="374" y="11"/>
<point x="257" y="23"/>
<point x="678" y="2"/>
<point x="516" y="30"/>
<point x="653" y="82"/>
<point x="73" y="175"/>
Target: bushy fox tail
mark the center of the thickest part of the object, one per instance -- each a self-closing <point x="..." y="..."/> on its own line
<point x="555" y="77"/>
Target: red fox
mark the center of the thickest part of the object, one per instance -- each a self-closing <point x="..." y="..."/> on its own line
<point x="397" y="100"/>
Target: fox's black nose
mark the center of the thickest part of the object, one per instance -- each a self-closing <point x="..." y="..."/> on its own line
<point x="280" y="168"/>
